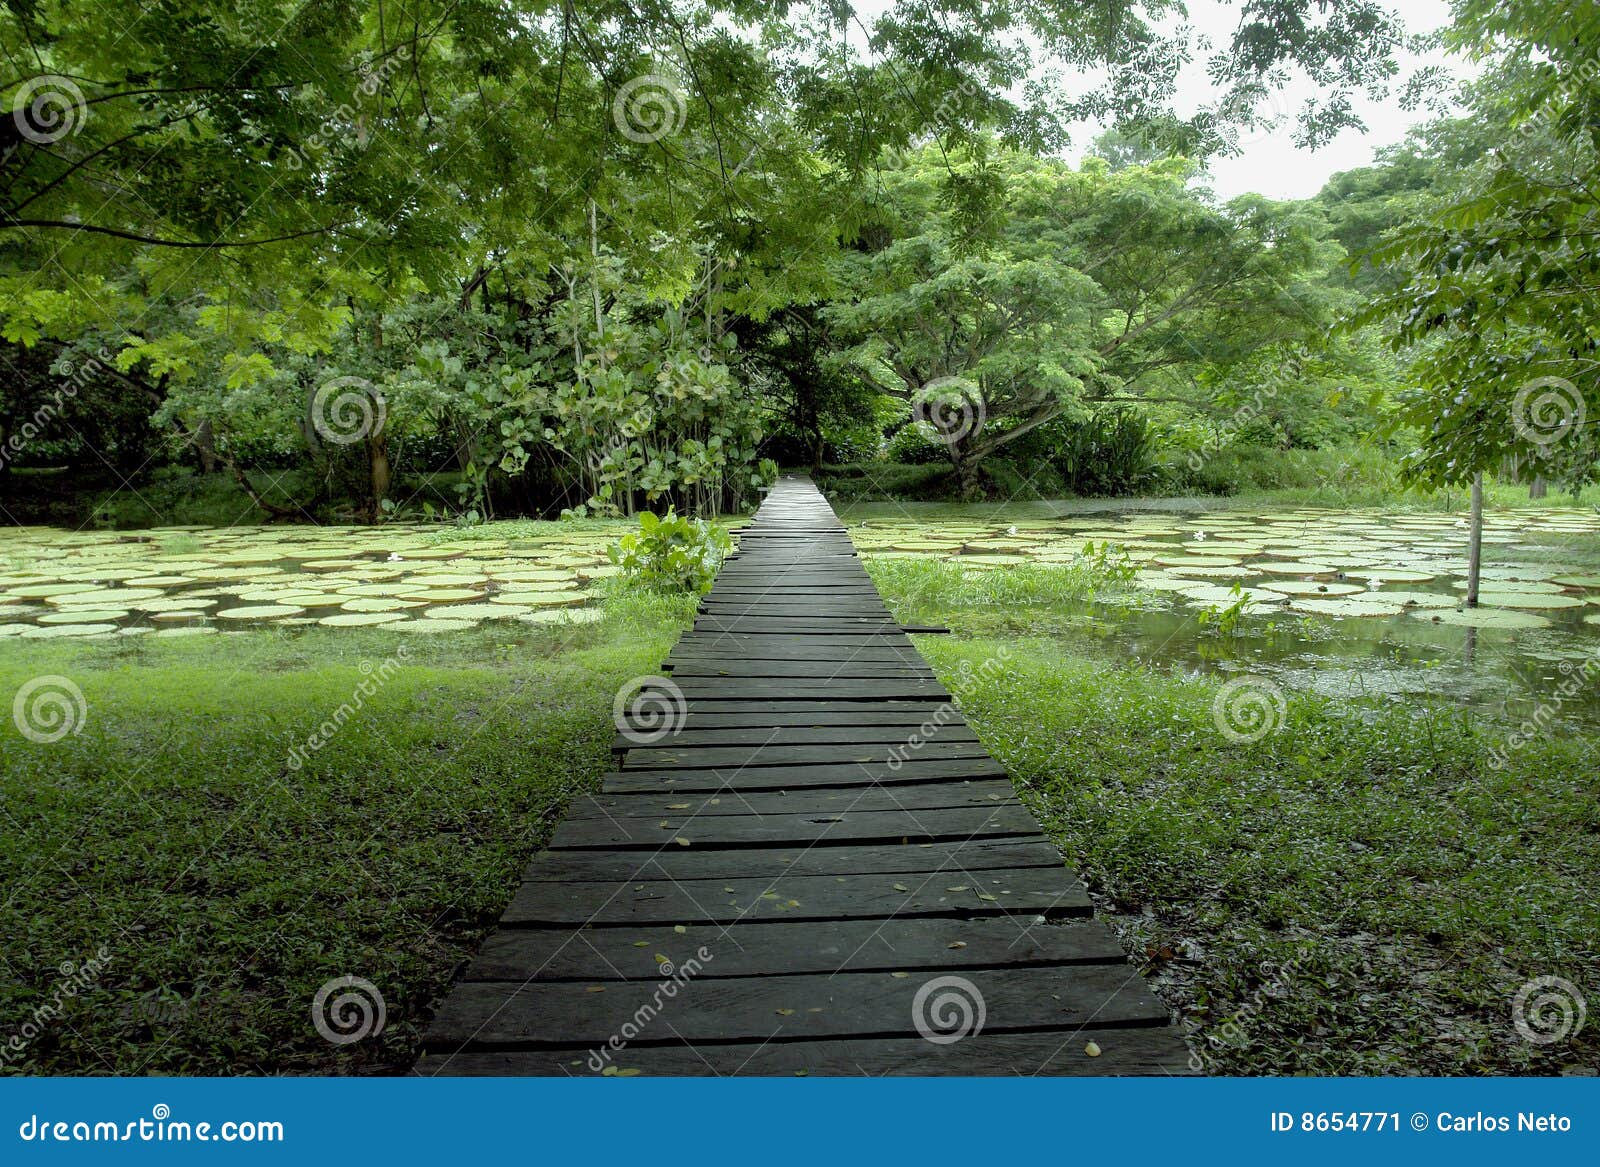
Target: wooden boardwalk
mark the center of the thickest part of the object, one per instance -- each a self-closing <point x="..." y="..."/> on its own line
<point x="806" y="862"/>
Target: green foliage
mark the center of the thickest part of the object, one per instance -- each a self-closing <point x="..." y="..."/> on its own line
<point x="1493" y="300"/>
<point x="1398" y="878"/>
<point x="1224" y="620"/>
<point x="467" y="753"/>
<point x="671" y="553"/>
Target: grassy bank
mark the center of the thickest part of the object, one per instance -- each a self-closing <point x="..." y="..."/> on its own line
<point x="205" y="867"/>
<point x="1360" y="889"/>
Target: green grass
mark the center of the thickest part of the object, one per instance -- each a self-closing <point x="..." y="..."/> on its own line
<point x="1016" y="598"/>
<point x="226" y="886"/>
<point x="1358" y="892"/>
<point x="1362" y="890"/>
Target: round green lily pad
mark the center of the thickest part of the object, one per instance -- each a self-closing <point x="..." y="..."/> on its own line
<point x="260" y="612"/>
<point x="377" y="604"/>
<point x="1348" y="606"/>
<point x="97" y="616"/>
<point x="360" y="619"/>
<point x="432" y="624"/>
<point x="1483" y="618"/>
<point x="1307" y="587"/>
<point x="50" y="631"/>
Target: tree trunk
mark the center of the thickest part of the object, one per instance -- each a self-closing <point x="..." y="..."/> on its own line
<point x="967" y="475"/>
<point x="205" y="444"/>
<point x="1475" y="540"/>
<point x="378" y="472"/>
<point x="1537" y="488"/>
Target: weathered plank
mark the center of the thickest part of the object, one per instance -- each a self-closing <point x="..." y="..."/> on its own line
<point x="914" y="769"/>
<point x="685" y="807"/>
<point x="664" y="755"/>
<point x="617" y="867"/>
<point x="814" y="827"/>
<point x="963" y="894"/>
<point x="715" y="1009"/>
<point x="1123" y="1051"/>
<point x="812" y="735"/>
<point x="595" y="955"/>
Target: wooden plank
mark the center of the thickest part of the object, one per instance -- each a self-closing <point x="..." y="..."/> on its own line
<point x="1124" y="1051"/>
<point x="840" y="669"/>
<point x="667" y="756"/>
<point x="1025" y="892"/>
<point x="709" y="1008"/>
<point x="809" y="689"/>
<point x="914" y="769"/>
<point x="569" y="867"/>
<point x="812" y="735"/>
<point x="866" y="713"/>
<point x="773" y="830"/>
<point x="595" y="955"/>
<point x="682" y="807"/>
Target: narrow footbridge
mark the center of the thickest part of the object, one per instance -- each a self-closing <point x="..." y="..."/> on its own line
<point x="805" y="863"/>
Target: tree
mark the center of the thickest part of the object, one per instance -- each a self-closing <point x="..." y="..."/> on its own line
<point x="1012" y="291"/>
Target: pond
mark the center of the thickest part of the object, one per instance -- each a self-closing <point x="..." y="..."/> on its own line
<point x="1347" y="603"/>
<point x="183" y="581"/>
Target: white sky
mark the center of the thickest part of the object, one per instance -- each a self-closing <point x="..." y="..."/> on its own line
<point x="1271" y="164"/>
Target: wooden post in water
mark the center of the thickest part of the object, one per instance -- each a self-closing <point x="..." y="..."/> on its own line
<point x="1475" y="540"/>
